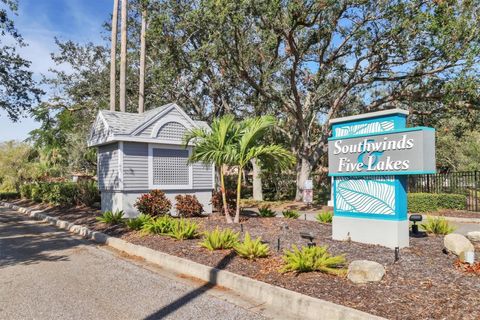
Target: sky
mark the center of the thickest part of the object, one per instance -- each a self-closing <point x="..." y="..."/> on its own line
<point x="39" y="22"/>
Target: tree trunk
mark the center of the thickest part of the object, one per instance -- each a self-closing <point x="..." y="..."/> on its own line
<point x="113" y="55"/>
<point x="239" y="191"/>
<point x="141" y="85"/>
<point x="304" y="170"/>
<point x="257" y="181"/>
<point x="123" y="57"/>
<point x="224" y="196"/>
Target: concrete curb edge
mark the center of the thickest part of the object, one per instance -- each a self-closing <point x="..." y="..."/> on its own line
<point x="290" y="302"/>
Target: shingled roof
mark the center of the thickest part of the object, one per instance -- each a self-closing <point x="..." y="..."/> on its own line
<point x="113" y="126"/>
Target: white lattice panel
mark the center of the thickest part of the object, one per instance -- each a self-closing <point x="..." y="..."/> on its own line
<point x="170" y="167"/>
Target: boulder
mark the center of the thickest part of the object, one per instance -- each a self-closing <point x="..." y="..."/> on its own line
<point x="456" y="243"/>
<point x="474" y="236"/>
<point x="363" y="271"/>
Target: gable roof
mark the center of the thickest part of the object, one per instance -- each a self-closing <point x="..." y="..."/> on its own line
<point x="113" y="126"/>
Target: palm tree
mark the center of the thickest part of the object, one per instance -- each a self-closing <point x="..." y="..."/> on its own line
<point x="249" y="147"/>
<point x="141" y="85"/>
<point x="216" y="146"/>
<point x="113" y="54"/>
<point x="123" y="56"/>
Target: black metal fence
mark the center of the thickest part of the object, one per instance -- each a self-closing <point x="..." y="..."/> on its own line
<point x="467" y="183"/>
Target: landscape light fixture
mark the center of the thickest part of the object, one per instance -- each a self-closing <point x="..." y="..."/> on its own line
<point x="415" y="233"/>
<point x="309" y="236"/>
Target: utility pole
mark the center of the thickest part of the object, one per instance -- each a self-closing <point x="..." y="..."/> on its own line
<point x="113" y="55"/>
<point x="123" y="57"/>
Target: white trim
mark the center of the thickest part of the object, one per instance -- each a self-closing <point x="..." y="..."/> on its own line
<point x="370" y="115"/>
<point x="120" y="164"/>
<point x="127" y="138"/>
<point x="164" y="121"/>
<point x="186" y="116"/>
<point x="144" y="125"/>
<point x="99" y="117"/>
<point x="152" y="186"/>
<point x="213" y="176"/>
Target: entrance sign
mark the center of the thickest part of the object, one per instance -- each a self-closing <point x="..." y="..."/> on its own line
<point x="370" y="156"/>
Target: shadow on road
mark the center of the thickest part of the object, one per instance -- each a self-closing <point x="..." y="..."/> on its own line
<point x="24" y="242"/>
<point x="183" y="300"/>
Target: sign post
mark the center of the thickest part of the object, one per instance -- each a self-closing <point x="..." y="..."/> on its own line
<point x="369" y="158"/>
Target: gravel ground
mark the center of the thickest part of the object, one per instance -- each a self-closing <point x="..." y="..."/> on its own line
<point x="48" y="274"/>
<point x="423" y="284"/>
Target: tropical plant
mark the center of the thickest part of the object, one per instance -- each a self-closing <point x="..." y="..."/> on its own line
<point x="154" y="203"/>
<point x="110" y="217"/>
<point x="312" y="258"/>
<point x="437" y="225"/>
<point x="188" y="206"/>
<point x="184" y="229"/>
<point x="324" y="217"/>
<point x="138" y="222"/>
<point x="266" y="212"/>
<point x="252" y="249"/>
<point x="159" y="225"/>
<point x="231" y="198"/>
<point x="219" y="239"/>
<point x="290" y="214"/>
<point x="249" y="147"/>
<point x="215" y="146"/>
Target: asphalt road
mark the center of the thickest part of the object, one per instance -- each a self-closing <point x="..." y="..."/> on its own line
<point x="49" y="274"/>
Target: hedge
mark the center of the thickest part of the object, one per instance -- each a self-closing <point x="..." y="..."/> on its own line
<point x="62" y="193"/>
<point x="9" y="195"/>
<point x="428" y="202"/>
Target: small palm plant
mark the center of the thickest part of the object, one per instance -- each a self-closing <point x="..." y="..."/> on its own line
<point x="313" y="258"/>
<point x="252" y="249"/>
<point x="219" y="239"/>
<point x="437" y="226"/>
<point x="290" y="214"/>
<point x="324" y="217"/>
<point x="110" y="217"/>
<point x="160" y="225"/>
<point x="266" y="212"/>
<point x="138" y="222"/>
<point x="184" y="229"/>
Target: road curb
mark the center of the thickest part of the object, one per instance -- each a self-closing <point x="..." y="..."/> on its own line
<point x="287" y="302"/>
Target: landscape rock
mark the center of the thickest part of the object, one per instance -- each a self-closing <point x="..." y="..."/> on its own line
<point x="474" y="236"/>
<point x="363" y="271"/>
<point x="457" y="243"/>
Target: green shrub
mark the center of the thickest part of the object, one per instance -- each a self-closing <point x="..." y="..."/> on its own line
<point x="61" y="194"/>
<point x="219" y="239"/>
<point x="138" y="222"/>
<point x="184" y="229"/>
<point x="252" y="249"/>
<point x="87" y="193"/>
<point x="312" y="259"/>
<point x="154" y="203"/>
<point x="188" y="206"/>
<point x="9" y="195"/>
<point x="26" y="191"/>
<point x="290" y="214"/>
<point x="159" y="225"/>
<point x="437" y="225"/>
<point x="110" y="217"/>
<point x="324" y="217"/>
<point x="430" y="202"/>
<point x="36" y="192"/>
<point x="266" y="212"/>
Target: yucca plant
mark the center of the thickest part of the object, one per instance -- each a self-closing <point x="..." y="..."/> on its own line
<point x="324" y="217"/>
<point x="290" y="214"/>
<point x="437" y="226"/>
<point x="160" y="225"/>
<point x="266" y="212"/>
<point x="184" y="229"/>
<point x="219" y="239"/>
<point x="138" y="222"/>
<point x="312" y="259"/>
<point x="252" y="249"/>
<point x="110" y="217"/>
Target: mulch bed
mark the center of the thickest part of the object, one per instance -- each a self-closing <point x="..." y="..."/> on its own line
<point x="456" y="213"/>
<point x="424" y="284"/>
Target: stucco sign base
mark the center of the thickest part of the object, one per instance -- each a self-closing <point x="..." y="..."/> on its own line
<point x="387" y="233"/>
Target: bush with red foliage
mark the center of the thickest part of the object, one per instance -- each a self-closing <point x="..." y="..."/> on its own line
<point x="188" y="206"/>
<point x="217" y="202"/>
<point x="154" y="203"/>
